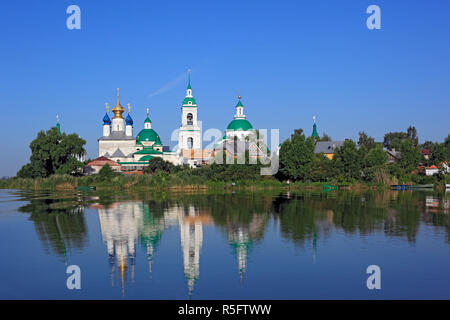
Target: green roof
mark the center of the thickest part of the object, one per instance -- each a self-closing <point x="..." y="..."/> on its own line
<point x="187" y="99"/>
<point x="141" y="163"/>
<point x="148" y="150"/>
<point x="148" y="120"/>
<point x="239" y="104"/>
<point x="148" y="135"/>
<point x="146" y="158"/>
<point x="240" y="125"/>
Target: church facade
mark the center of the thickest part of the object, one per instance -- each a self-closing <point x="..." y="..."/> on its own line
<point x="120" y="145"/>
<point x="132" y="152"/>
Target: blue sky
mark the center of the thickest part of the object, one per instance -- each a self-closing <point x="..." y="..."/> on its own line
<point x="290" y="59"/>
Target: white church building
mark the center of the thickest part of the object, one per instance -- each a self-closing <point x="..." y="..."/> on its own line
<point x="118" y="142"/>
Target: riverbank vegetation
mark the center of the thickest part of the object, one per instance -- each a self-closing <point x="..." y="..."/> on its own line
<point x="54" y="164"/>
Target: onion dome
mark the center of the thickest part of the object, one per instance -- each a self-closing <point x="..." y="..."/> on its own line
<point x="106" y="120"/>
<point x="129" y="120"/>
<point x="118" y="109"/>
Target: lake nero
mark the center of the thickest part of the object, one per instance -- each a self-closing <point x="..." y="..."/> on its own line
<point x="297" y="245"/>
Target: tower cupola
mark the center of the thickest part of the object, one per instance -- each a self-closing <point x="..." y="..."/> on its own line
<point x="118" y="109"/>
<point x="106" y="122"/>
<point x="118" y="123"/>
<point x="129" y="123"/>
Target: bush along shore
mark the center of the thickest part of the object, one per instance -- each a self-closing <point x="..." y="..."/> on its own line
<point x="164" y="181"/>
<point x="54" y="164"/>
<point x="160" y="175"/>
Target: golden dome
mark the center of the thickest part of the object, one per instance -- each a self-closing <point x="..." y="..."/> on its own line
<point x="118" y="109"/>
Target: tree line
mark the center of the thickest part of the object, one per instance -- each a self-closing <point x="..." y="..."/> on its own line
<point x="363" y="161"/>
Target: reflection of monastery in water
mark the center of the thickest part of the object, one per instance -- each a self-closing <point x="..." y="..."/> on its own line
<point x="241" y="238"/>
<point x="125" y="224"/>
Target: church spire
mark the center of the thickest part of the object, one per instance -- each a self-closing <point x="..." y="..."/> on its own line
<point x="189" y="88"/>
<point x="148" y="122"/>
<point x="314" y="133"/>
<point x="58" y="126"/>
<point x="189" y="79"/>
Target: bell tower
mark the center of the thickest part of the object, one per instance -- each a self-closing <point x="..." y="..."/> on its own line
<point x="189" y="133"/>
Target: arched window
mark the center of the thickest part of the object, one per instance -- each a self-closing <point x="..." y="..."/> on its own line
<point x="190" y="118"/>
<point x="190" y="143"/>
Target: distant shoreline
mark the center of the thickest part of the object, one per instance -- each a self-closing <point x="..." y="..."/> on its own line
<point x="165" y="183"/>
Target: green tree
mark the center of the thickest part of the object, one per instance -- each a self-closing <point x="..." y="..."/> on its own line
<point x="375" y="161"/>
<point x="427" y="145"/>
<point x="365" y="140"/>
<point x="325" y="137"/>
<point x="347" y="161"/>
<point x="106" y="172"/>
<point x="321" y="169"/>
<point x="409" y="156"/>
<point x="296" y="156"/>
<point x="447" y="147"/>
<point x="393" y="140"/>
<point x="411" y="134"/>
<point x="438" y="153"/>
<point x="157" y="163"/>
<point x="52" y="152"/>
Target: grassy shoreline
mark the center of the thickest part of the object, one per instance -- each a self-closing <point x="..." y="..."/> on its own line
<point x="170" y="183"/>
<point x="175" y="182"/>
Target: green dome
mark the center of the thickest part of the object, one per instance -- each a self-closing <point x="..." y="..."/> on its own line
<point x="240" y="125"/>
<point x="148" y="135"/>
<point x="187" y="100"/>
<point x="146" y="158"/>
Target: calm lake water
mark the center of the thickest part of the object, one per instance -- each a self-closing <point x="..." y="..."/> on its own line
<point x="224" y="246"/>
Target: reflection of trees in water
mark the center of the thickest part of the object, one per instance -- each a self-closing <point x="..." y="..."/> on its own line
<point x="59" y="224"/>
<point x="397" y="214"/>
<point x="243" y="217"/>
